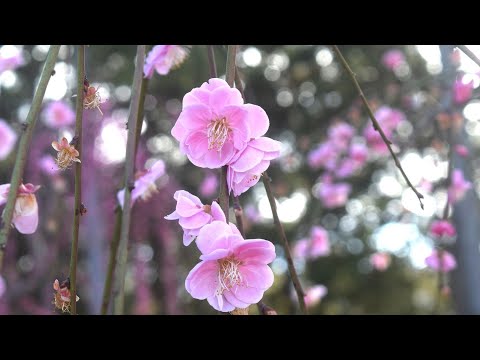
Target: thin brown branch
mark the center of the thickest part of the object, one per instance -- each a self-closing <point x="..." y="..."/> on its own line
<point x="375" y="123"/>
<point x="78" y="179"/>
<point x="237" y="208"/>
<point x="211" y="61"/>
<point x="265" y="309"/>
<point x="469" y="53"/>
<point x="291" y="267"/>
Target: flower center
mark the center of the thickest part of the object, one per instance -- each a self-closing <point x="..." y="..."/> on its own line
<point x="150" y="190"/>
<point x="228" y="274"/>
<point x="217" y="132"/>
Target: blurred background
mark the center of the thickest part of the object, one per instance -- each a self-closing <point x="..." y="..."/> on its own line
<point x="373" y="235"/>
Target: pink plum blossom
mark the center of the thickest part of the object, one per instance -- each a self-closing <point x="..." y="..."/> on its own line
<point x="458" y="186"/>
<point x="380" y="261"/>
<point x="333" y="195"/>
<point x="209" y="185"/>
<point x="233" y="272"/>
<point x="192" y="215"/>
<point x="215" y="124"/>
<point x="25" y="215"/>
<point x="164" y="58"/>
<point x="323" y="156"/>
<point x="341" y="134"/>
<point x="10" y="58"/>
<point x="441" y="260"/>
<point x="357" y="156"/>
<point x="388" y="119"/>
<point x="246" y="167"/>
<point x="58" y="114"/>
<point x="462" y="92"/>
<point x="462" y="150"/>
<point x="8" y="138"/>
<point x="443" y="228"/>
<point x="392" y="59"/>
<point x="144" y="184"/>
<point x="314" y="294"/>
<point x="316" y="245"/>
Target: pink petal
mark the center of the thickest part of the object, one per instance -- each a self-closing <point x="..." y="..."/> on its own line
<point x="214" y="159"/>
<point x="257" y="276"/>
<point x="236" y="117"/>
<point x="230" y="296"/>
<point x="172" y="216"/>
<point x="195" y="221"/>
<point x="249" y="295"/>
<point x="224" y="96"/>
<point x="195" y="117"/>
<point x="195" y="97"/>
<point x="4" y="193"/>
<point x="186" y="194"/>
<point x="266" y="144"/>
<point x="202" y="280"/>
<point x="26" y="224"/>
<point x="220" y="304"/>
<point x="179" y="131"/>
<point x="216" y="235"/>
<point x="255" y="251"/>
<point x="213" y="84"/>
<point x="249" y="158"/>
<point x="196" y="144"/>
<point x="217" y="212"/>
<point x="215" y="255"/>
<point x="186" y="207"/>
<point x="188" y="238"/>
<point x="257" y="119"/>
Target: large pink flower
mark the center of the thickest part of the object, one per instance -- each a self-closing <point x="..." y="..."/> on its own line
<point x="163" y="58"/>
<point x="441" y="261"/>
<point x="10" y="58"/>
<point x="145" y="184"/>
<point x="25" y="215"/>
<point x="246" y="167"/>
<point x="462" y="92"/>
<point x="58" y="114"/>
<point x="458" y="186"/>
<point x="215" y="123"/>
<point x="192" y="215"/>
<point x="233" y="272"/>
<point x="8" y="137"/>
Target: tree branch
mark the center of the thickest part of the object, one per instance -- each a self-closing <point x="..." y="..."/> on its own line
<point x="22" y="151"/>
<point x="375" y="123"/>
<point x="133" y="123"/>
<point x="469" y="53"/>
<point x="211" y="61"/>
<point x="78" y="178"/>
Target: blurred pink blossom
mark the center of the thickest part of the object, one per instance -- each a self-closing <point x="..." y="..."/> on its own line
<point x="209" y="185"/>
<point x="58" y="114"/>
<point x="48" y="165"/>
<point x="323" y="156"/>
<point x="3" y="286"/>
<point x="443" y="228"/>
<point x="144" y="184"/>
<point x="215" y="124"/>
<point x="314" y="294"/>
<point x="192" y="215"/>
<point x="316" y="245"/>
<point x="462" y="92"/>
<point x="458" y="187"/>
<point x="380" y="261"/>
<point x="392" y="59"/>
<point x="333" y="195"/>
<point x="340" y="135"/>
<point x="10" y="58"/>
<point x="25" y="215"/>
<point x="461" y="150"/>
<point x="164" y="58"/>
<point x="8" y="138"/>
<point x="441" y="260"/>
<point x="233" y="272"/>
<point x="247" y="166"/>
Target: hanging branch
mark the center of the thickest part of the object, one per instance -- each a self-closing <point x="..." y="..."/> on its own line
<point x="211" y="61"/>
<point x="78" y="178"/>
<point x="229" y="78"/>
<point x="266" y="181"/>
<point x="237" y="208"/>
<point x="133" y="122"/>
<point x="112" y="262"/>
<point x="375" y="123"/>
<point x="22" y="151"/>
<point x="469" y="53"/>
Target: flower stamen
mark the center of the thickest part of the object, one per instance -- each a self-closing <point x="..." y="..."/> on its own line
<point x="228" y="275"/>
<point x="217" y="132"/>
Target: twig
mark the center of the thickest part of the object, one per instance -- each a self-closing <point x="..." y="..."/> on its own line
<point x="375" y="123"/>
<point x="133" y="123"/>
<point x="211" y="61"/>
<point x="78" y="178"/>
<point x="237" y="208"/>
<point x="291" y="267"/>
<point x="22" y="151"/>
<point x="469" y="53"/>
<point x="265" y="309"/>
<point x="229" y="77"/>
